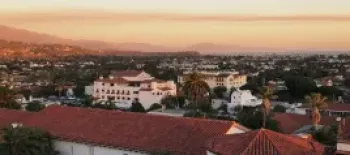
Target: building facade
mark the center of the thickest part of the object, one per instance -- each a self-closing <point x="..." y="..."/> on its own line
<point x="244" y="98"/>
<point x="126" y="87"/>
<point x="217" y="79"/>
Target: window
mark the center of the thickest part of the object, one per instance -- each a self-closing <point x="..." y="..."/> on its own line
<point x="128" y="98"/>
<point x="118" y="98"/>
<point x="108" y="91"/>
<point x="117" y="91"/>
<point x="103" y="84"/>
<point x="97" y="91"/>
<point x="103" y="90"/>
<point x="123" y="98"/>
<point x="112" y="84"/>
<point x="113" y="92"/>
<point x="103" y="97"/>
<point x="123" y="92"/>
<point x="136" y="92"/>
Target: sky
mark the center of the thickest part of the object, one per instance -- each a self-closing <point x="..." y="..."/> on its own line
<point x="284" y="24"/>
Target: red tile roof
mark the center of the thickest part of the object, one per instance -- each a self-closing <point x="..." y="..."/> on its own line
<point x="338" y="107"/>
<point x="288" y="123"/>
<point x="127" y="73"/>
<point x="164" y="88"/>
<point x="7" y="116"/>
<point x="114" y="80"/>
<point x="132" y="131"/>
<point x="154" y="80"/>
<point x="264" y="142"/>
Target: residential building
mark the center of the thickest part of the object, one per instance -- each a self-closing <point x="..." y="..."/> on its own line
<point x="84" y="131"/>
<point x="244" y="98"/>
<point x="216" y="79"/>
<point x="126" y="87"/>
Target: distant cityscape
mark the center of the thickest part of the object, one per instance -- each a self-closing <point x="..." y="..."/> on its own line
<point x="184" y="77"/>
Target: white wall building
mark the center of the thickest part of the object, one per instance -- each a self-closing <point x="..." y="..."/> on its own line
<point x="215" y="79"/>
<point x="128" y="86"/>
<point x="244" y="98"/>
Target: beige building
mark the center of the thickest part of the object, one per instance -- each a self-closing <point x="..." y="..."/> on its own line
<point x="215" y="79"/>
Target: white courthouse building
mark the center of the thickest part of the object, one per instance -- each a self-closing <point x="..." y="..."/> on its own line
<point x="216" y="79"/>
<point x="125" y="87"/>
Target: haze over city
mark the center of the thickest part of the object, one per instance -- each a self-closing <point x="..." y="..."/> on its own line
<point x="265" y="25"/>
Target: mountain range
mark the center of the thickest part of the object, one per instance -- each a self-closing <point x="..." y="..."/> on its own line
<point x="14" y="34"/>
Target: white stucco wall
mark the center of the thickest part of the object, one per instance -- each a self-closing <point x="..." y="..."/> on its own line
<point x="234" y="130"/>
<point x="343" y="146"/>
<point x="210" y="153"/>
<point x="71" y="148"/>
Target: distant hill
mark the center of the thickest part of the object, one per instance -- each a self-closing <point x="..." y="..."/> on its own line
<point x="13" y="34"/>
<point x="16" y="49"/>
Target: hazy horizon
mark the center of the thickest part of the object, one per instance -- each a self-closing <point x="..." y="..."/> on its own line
<point x="274" y="24"/>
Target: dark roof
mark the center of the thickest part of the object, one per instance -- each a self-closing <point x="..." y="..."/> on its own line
<point x="288" y="123"/>
<point x="132" y="131"/>
<point x="264" y="142"/>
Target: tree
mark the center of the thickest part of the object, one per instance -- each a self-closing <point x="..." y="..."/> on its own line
<point x="299" y="87"/>
<point x="330" y="91"/>
<point x="253" y="119"/>
<point x="137" y="107"/>
<point x="20" y="140"/>
<point x="7" y="99"/>
<point x="79" y="91"/>
<point x="279" y="108"/>
<point x="195" y="87"/>
<point x="35" y="106"/>
<point x="316" y="102"/>
<point x="347" y="82"/>
<point x="267" y="94"/>
<point x="220" y="91"/>
<point x="170" y="102"/>
<point x="155" y="106"/>
<point x="87" y="101"/>
<point x="327" y="136"/>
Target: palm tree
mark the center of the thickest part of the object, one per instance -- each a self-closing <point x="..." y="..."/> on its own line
<point x="266" y="94"/>
<point x="195" y="87"/>
<point x="316" y="102"/>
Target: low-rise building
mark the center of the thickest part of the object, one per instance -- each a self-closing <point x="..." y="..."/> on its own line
<point x="217" y="79"/>
<point x="126" y="87"/>
<point x="244" y="98"/>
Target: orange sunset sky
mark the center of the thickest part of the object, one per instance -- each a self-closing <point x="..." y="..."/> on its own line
<point x="283" y="24"/>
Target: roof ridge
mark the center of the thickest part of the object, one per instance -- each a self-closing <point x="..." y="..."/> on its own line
<point x="251" y="142"/>
<point x="143" y="114"/>
<point x="272" y="142"/>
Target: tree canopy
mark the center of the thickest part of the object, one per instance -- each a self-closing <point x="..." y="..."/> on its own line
<point x="26" y="141"/>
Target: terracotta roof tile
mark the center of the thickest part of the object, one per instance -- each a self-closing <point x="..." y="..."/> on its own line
<point x="288" y="123"/>
<point x="7" y="116"/>
<point x="114" y="80"/>
<point x="128" y="73"/>
<point x="129" y="130"/>
<point x="264" y="142"/>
